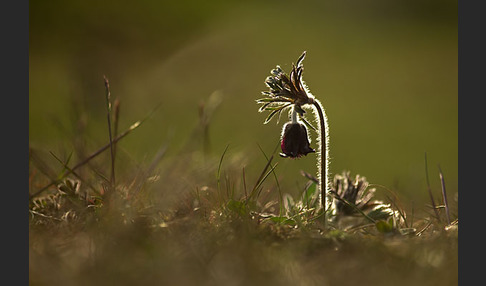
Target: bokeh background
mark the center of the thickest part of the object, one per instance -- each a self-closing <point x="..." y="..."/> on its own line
<point x="386" y="72"/>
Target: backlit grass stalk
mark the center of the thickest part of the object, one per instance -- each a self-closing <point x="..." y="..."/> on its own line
<point x="108" y="116"/>
<point x="280" y="197"/>
<point x="218" y="174"/>
<point x="444" y="196"/>
<point x="116" y="119"/>
<point x="429" y="189"/>
<point x="93" y="155"/>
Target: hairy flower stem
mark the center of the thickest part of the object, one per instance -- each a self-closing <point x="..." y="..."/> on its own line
<point x="294" y="116"/>
<point x="323" y="154"/>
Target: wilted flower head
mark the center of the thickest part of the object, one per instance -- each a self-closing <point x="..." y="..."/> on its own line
<point x="294" y="141"/>
<point x="353" y="195"/>
<point x="353" y="191"/>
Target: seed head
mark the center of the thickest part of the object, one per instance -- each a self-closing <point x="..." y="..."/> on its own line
<point x="285" y="91"/>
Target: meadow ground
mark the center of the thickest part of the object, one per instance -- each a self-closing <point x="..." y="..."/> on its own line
<point x="192" y="191"/>
<point x="198" y="219"/>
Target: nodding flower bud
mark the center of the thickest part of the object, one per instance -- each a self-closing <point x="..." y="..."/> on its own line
<point x="295" y="142"/>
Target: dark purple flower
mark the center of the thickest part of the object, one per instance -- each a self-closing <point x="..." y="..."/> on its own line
<point x="295" y="142"/>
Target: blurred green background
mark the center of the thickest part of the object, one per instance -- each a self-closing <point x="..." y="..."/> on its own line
<point x="386" y="72"/>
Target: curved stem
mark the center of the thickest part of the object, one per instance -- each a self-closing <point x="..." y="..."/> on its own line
<point x="323" y="154"/>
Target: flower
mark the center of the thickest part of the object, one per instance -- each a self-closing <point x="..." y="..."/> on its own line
<point x="289" y="92"/>
<point x="354" y="191"/>
<point x="294" y="142"/>
<point x="354" y="196"/>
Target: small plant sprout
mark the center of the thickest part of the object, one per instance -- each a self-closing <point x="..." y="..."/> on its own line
<point x="289" y="92"/>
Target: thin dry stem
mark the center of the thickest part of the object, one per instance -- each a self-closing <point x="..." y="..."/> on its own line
<point x="429" y="189"/>
<point x="108" y="116"/>
<point x="444" y="196"/>
<point x="89" y="158"/>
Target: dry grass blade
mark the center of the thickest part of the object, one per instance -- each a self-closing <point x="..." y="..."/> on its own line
<point x="275" y="176"/>
<point x="444" y="196"/>
<point x="263" y="180"/>
<point x="424" y="228"/>
<point x="429" y="189"/>
<point x="44" y="216"/>
<point x="95" y="154"/>
<point x="269" y="161"/>
<point x="147" y="173"/>
<point x="344" y="201"/>
<point x="244" y="182"/>
<point x="264" y="174"/>
<point x="41" y="165"/>
<point x="108" y="116"/>
<point x="411" y="220"/>
<point x="398" y="208"/>
<point x="72" y="172"/>
<point x="218" y="175"/>
<point x="116" y="117"/>
<point x="309" y="176"/>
